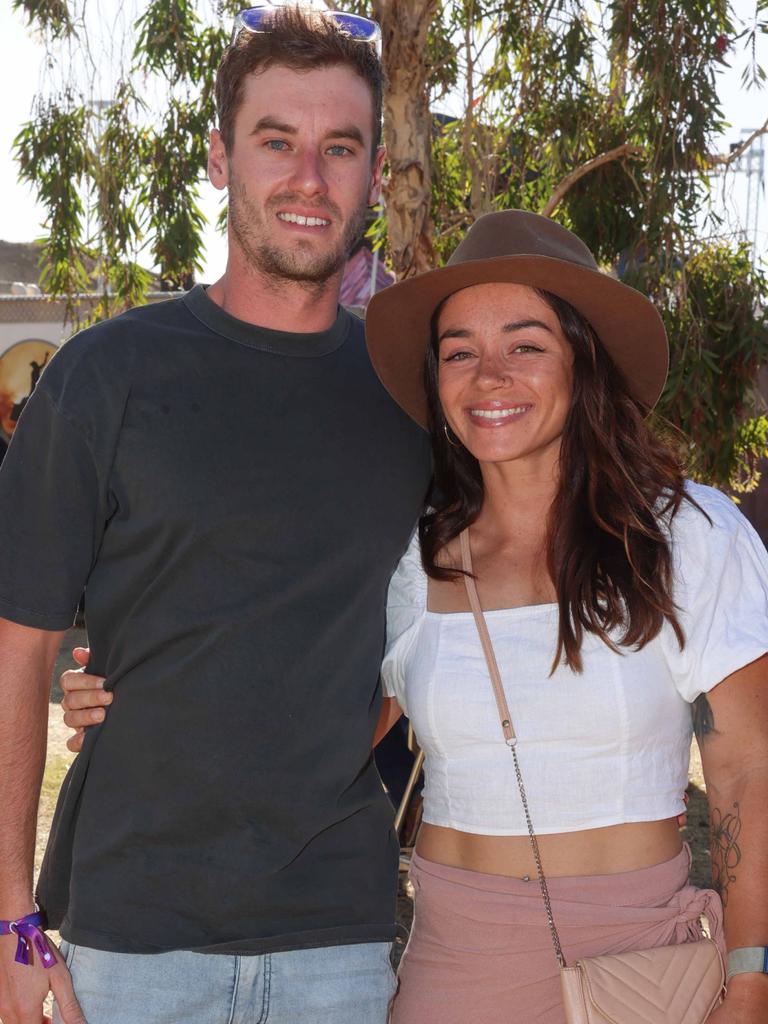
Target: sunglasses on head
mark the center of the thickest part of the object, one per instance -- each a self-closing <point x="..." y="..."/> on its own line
<point x="257" y="19"/>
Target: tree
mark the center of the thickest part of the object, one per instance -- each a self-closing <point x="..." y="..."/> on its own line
<point x="408" y="133"/>
<point x="612" y="128"/>
<point x="603" y="115"/>
<point x="120" y="177"/>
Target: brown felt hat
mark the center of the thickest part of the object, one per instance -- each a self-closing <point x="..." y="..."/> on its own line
<point x="520" y="248"/>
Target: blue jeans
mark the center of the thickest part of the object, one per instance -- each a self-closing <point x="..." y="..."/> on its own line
<point x="334" y="984"/>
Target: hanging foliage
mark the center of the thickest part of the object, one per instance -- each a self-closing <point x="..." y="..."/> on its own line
<point x="117" y="163"/>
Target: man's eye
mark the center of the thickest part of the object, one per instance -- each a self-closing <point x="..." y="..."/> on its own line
<point x="339" y="150"/>
<point x="277" y="145"/>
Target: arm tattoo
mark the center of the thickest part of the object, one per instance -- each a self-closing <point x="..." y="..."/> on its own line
<point x="703" y="718"/>
<point x="726" y="853"/>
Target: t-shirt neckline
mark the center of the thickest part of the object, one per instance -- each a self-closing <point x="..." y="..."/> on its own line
<point x="284" y="343"/>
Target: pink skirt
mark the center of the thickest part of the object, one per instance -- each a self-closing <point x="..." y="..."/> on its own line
<point x="480" y="950"/>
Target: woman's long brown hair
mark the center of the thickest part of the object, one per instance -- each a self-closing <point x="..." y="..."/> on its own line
<point x="620" y="485"/>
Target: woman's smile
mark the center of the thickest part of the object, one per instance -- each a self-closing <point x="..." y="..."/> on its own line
<point x="494" y="415"/>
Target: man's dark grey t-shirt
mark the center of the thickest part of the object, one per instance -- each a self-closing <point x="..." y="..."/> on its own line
<point x="234" y="500"/>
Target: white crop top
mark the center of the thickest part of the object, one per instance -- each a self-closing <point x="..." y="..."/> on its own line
<point x="606" y="746"/>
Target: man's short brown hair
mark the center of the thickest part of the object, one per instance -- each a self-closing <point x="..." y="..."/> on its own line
<point x="302" y="40"/>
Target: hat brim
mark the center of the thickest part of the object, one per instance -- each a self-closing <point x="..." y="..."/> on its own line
<point x="397" y="322"/>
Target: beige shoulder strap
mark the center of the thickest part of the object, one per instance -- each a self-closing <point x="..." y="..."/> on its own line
<point x="485" y="639"/>
<point x="509" y="733"/>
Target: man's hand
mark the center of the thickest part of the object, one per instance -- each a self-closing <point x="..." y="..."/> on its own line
<point x="23" y="989"/>
<point x="85" y="699"/>
<point x="682" y="819"/>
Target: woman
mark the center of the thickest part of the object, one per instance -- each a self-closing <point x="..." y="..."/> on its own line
<point x="617" y="597"/>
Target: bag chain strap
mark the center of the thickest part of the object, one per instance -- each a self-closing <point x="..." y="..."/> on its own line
<point x="506" y="724"/>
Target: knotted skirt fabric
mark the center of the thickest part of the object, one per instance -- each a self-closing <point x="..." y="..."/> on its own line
<point x="481" y="952"/>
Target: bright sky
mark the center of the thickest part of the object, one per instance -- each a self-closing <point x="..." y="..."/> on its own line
<point x="21" y="74"/>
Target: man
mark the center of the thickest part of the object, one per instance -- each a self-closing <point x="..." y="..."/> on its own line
<point x="234" y="486"/>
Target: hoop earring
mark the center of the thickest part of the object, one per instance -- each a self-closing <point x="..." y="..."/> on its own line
<point x="453" y="444"/>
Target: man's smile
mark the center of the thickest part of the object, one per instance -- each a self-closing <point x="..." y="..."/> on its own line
<point x="303" y="221"/>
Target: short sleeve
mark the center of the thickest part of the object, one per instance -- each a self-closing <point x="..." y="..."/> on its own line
<point x="51" y="517"/>
<point x="406" y="604"/>
<point x="721" y="591"/>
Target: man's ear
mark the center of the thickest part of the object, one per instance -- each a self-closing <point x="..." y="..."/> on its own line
<point x="218" y="164"/>
<point x="374" y="189"/>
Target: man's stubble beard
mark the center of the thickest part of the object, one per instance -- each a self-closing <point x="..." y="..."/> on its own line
<point x="296" y="264"/>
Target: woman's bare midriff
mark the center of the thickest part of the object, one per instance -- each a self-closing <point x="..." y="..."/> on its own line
<point x="595" y="851"/>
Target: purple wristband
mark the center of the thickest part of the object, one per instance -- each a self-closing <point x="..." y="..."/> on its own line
<point x="29" y="931"/>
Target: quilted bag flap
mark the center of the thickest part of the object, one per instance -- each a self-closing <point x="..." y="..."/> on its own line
<point x="668" y="985"/>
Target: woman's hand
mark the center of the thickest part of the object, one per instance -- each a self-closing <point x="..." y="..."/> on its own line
<point x="746" y="1002"/>
<point x="85" y="699"/>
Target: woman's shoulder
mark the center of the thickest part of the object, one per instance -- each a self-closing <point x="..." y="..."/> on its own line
<point x="707" y="514"/>
<point x="406" y="605"/>
<point x="718" y="506"/>
<point x="720" y="590"/>
<point x="710" y="536"/>
<point x="408" y="586"/>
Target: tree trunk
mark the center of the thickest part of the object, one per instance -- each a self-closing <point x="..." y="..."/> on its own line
<point x="407" y="133"/>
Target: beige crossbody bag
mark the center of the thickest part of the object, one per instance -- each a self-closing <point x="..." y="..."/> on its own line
<point x="679" y="984"/>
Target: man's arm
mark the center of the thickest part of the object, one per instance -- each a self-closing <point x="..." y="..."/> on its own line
<point x="732" y="730"/>
<point x="26" y="663"/>
<point x="390" y="713"/>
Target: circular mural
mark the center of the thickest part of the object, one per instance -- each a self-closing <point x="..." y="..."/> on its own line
<point x="20" y="369"/>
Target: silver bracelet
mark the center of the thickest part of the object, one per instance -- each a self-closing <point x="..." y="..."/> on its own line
<point x="748" y="960"/>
